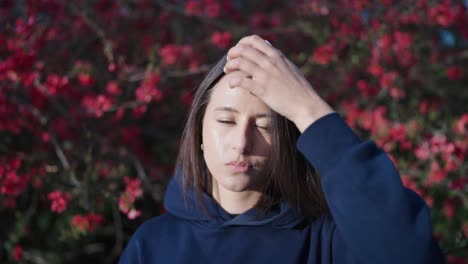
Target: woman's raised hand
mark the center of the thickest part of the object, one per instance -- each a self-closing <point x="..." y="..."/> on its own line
<point x="275" y="80"/>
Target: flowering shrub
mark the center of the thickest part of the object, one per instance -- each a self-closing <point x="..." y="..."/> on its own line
<point x="94" y="95"/>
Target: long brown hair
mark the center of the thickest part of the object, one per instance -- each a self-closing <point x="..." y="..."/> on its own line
<point x="291" y="178"/>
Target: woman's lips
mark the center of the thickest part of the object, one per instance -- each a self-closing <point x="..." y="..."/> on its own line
<point x="239" y="166"/>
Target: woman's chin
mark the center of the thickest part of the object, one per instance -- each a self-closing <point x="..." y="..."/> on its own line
<point x="239" y="182"/>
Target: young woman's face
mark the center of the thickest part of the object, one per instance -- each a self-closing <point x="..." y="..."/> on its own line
<point x="236" y="138"/>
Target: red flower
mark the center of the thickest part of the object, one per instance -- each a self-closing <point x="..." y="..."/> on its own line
<point x="366" y="89"/>
<point x="460" y="125"/>
<point x="13" y="183"/>
<point x="113" y="88"/>
<point x="58" y="200"/>
<point x="449" y="208"/>
<point x="133" y="213"/>
<point x="148" y="91"/>
<point x="388" y="79"/>
<point x="193" y="7"/>
<point x="133" y="187"/>
<point x="221" y="39"/>
<point x="212" y="8"/>
<point x="396" y="93"/>
<point x="385" y="42"/>
<point x="436" y="175"/>
<point x="459" y="184"/>
<point x="97" y="105"/>
<point x="170" y="54"/>
<point x="402" y="40"/>
<point x="94" y="221"/>
<point x="324" y="54"/>
<point x="17" y="253"/>
<point x="87" y="223"/>
<point x="422" y="152"/>
<point x="454" y="73"/>
<point x="427" y="106"/>
<point x="56" y="83"/>
<point x="442" y="14"/>
<point x="375" y="69"/>
<point x="126" y="199"/>
<point x="80" y="222"/>
<point x="85" y="79"/>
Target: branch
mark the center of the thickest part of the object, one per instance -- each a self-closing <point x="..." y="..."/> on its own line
<point x="175" y="9"/>
<point x="57" y="106"/>
<point x="107" y="44"/>
<point x="143" y="177"/>
<point x="116" y="250"/>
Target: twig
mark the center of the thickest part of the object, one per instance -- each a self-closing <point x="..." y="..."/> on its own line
<point x="66" y="165"/>
<point x="142" y="175"/>
<point x="175" y="9"/>
<point x="116" y="250"/>
<point x="107" y="44"/>
<point x="59" y="107"/>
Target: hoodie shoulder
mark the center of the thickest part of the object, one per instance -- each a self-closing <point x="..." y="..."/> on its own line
<point x="148" y="237"/>
<point x="155" y="226"/>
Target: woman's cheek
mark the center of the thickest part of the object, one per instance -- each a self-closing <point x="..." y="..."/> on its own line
<point x="218" y="141"/>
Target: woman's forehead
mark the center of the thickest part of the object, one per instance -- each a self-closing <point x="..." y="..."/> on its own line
<point x="236" y="98"/>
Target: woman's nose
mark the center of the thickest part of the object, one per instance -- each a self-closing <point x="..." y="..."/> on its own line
<point x="242" y="139"/>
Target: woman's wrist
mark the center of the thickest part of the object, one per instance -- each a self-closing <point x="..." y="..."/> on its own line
<point x="310" y="114"/>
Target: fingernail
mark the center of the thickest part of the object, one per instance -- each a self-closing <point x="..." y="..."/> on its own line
<point x="227" y="57"/>
<point x="224" y="69"/>
<point x="268" y="42"/>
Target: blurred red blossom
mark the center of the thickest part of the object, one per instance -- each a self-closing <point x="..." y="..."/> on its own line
<point x="221" y="39"/>
<point x="97" y="105"/>
<point x="127" y="199"/>
<point x="12" y="181"/>
<point x="17" y="253"/>
<point x="148" y="90"/>
<point x="58" y="201"/>
<point x="87" y="223"/>
<point x="56" y="84"/>
<point x="170" y="54"/>
<point x="454" y="73"/>
<point x="85" y="79"/>
<point x="460" y="125"/>
<point x="442" y="14"/>
<point x="323" y="54"/>
<point x="113" y="88"/>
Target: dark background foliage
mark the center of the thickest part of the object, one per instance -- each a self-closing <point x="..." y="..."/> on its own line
<point x="94" y="96"/>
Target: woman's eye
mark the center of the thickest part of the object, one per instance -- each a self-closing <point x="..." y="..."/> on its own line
<point x="263" y="127"/>
<point x="225" y="121"/>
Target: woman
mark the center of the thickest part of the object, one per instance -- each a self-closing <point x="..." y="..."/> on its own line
<point x="244" y="194"/>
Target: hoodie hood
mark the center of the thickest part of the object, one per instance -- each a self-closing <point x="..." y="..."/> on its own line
<point x="190" y="209"/>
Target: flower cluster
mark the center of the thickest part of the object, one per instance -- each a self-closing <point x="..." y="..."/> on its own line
<point x="127" y="199"/>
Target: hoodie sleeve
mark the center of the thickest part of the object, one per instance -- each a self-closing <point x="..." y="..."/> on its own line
<point x="377" y="219"/>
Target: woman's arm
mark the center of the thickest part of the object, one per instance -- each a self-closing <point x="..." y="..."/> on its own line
<point x="378" y="220"/>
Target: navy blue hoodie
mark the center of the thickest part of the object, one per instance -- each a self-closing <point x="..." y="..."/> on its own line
<point x="373" y="218"/>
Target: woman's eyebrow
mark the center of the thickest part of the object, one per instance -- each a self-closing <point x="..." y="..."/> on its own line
<point x="233" y="110"/>
<point x="226" y="108"/>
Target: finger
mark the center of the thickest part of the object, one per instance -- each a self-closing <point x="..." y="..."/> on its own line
<point x="275" y="56"/>
<point x="251" y="53"/>
<point x="260" y="44"/>
<point x="242" y="64"/>
<point x="245" y="82"/>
